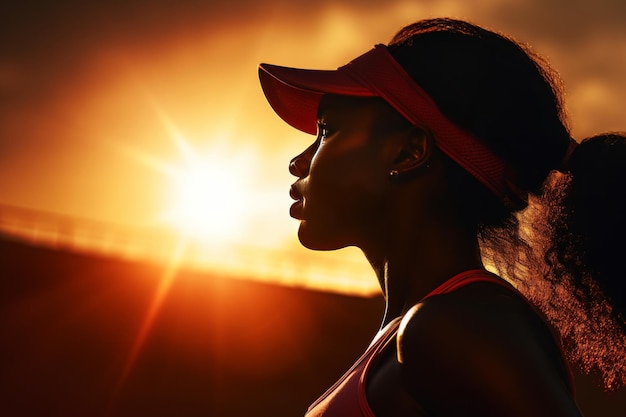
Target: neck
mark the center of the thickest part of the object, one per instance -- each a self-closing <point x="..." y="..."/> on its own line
<point x="420" y="259"/>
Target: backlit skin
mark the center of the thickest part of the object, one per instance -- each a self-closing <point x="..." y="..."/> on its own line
<point x="484" y="343"/>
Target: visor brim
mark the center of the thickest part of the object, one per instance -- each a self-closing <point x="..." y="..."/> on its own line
<point x="295" y="93"/>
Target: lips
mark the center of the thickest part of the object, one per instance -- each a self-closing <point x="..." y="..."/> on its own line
<point x="295" y="193"/>
<point x="295" y="210"/>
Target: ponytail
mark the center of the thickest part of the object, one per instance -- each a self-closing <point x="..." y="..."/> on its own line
<point x="595" y="210"/>
<point x="586" y="254"/>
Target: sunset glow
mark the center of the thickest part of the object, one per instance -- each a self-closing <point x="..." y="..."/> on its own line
<point x="208" y="196"/>
<point x="149" y="263"/>
<point x="159" y="121"/>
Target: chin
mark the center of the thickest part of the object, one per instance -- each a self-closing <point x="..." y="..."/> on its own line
<point x="315" y="240"/>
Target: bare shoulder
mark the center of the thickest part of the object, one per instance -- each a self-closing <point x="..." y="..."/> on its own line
<point x="483" y="350"/>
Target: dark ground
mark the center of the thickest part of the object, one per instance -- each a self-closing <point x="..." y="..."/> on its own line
<point x="218" y="347"/>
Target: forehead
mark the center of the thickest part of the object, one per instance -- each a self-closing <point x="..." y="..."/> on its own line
<point x="337" y="107"/>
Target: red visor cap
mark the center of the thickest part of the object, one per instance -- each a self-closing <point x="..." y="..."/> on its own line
<point x="295" y="93"/>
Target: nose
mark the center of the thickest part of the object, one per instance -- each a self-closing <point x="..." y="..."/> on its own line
<point x="299" y="166"/>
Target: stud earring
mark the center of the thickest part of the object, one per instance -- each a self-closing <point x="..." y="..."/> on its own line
<point x="393" y="173"/>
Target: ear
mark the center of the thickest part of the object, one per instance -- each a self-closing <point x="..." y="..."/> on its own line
<point x="414" y="153"/>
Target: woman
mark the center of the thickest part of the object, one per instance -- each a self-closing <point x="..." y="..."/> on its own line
<point x="426" y="151"/>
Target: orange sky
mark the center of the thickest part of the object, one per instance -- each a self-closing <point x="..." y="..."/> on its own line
<point x="90" y="96"/>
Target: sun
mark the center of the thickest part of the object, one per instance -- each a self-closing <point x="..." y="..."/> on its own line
<point x="208" y="195"/>
<point x="208" y="189"/>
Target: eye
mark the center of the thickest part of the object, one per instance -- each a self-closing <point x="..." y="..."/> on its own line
<point x="322" y="131"/>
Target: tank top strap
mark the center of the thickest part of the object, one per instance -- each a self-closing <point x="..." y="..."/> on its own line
<point x="466" y="278"/>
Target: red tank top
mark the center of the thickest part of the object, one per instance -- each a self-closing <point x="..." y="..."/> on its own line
<point x="346" y="398"/>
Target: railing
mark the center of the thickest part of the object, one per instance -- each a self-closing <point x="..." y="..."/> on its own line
<point x="280" y="265"/>
<point x="80" y="234"/>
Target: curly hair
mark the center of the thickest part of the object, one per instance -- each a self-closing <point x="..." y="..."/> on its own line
<point x="553" y="247"/>
<point x="584" y="237"/>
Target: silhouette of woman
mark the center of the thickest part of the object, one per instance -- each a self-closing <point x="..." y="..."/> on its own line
<point x="430" y="154"/>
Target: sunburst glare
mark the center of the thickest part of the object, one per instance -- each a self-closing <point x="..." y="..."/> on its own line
<point x="208" y="194"/>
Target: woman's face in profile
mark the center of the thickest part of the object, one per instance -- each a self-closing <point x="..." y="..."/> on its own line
<point x="343" y="177"/>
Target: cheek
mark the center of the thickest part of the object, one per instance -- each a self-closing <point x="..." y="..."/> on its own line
<point x="343" y="176"/>
<point x="346" y="188"/>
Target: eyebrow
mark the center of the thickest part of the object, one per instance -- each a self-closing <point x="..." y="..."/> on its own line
<point x="321" y="114"/>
